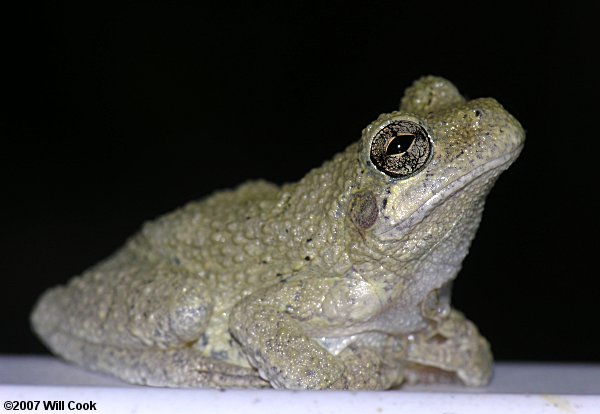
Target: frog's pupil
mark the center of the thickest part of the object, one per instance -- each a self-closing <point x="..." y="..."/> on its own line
<point x="399" y="144"/>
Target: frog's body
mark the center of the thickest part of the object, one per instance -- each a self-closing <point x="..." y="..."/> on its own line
<point x="341" y="280"/>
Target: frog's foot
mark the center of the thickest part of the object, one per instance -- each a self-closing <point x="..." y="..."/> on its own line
<point x="453" y="348"/>
<point x="175" y="367"/>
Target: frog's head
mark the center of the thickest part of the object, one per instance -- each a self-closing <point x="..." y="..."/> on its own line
<point x="427" y="168"/>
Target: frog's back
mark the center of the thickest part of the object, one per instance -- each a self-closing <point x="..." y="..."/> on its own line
<point x="211" y="236"/>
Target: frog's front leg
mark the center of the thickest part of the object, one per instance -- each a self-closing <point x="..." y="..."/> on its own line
<point x="452" y="344"/>
<point x="275" y="328"/>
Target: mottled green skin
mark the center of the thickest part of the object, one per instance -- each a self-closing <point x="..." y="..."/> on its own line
<point x="341" y="280"/>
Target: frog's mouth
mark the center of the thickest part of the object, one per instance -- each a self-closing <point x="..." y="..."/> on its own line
<point x="494" y="168"/>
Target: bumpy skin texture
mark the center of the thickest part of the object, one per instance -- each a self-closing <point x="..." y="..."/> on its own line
<point x="341" y="280"/>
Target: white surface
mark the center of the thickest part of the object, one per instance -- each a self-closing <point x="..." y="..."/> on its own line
<point x="516" y="388"/>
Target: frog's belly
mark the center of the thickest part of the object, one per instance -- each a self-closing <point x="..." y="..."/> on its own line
<point x="398" y="320"/>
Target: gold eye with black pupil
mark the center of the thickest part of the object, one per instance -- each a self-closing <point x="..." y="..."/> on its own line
<point x="401" y="148"/>
<point x="399" y="144"/>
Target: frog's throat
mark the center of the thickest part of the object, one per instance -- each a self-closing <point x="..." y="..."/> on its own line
<point x="498" y="164"/>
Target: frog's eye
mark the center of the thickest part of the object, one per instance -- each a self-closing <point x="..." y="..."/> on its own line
<point x="401" y="149"/>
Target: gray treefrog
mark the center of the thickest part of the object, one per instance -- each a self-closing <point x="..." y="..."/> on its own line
<point x="341" y="280"/>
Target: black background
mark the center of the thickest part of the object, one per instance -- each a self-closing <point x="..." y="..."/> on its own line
<point x="114" y="115"/>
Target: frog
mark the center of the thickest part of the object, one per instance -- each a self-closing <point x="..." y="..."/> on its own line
<point x="341" y="280"/>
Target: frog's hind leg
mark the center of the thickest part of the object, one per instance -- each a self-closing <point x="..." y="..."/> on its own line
<point x="142" y="323"/>
<point x="177" y="367"/>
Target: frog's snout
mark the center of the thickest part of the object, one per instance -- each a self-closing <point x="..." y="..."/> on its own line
<point x="498" y="129"/>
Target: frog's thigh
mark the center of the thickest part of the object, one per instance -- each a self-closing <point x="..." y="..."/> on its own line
<point x="454" y="347"/>
<point x="133" y="306"/>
